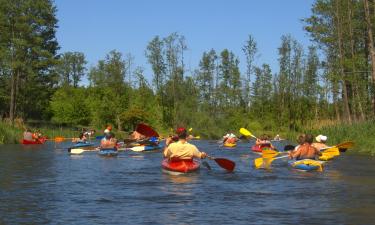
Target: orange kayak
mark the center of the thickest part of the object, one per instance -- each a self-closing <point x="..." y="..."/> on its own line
<point x="180" y="165"/>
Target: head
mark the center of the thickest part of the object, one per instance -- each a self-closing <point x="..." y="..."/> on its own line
<point x="109" y="127"/>
<point x="181" y="133"/>
<point x="106" y="131"/>
<point x="301" y="139"/>
<point x="264" y="137"/>
<point x="321" y="138"/>
<point x="309" y="138"/>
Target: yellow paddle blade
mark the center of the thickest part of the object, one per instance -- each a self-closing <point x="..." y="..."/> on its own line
<point x="348" y="144"/>
<point x="263" y="162"/>
<point x="246" y="133"/>
<point x="258" y="162"/>
<point x="191" y="129"/>
<point x="198" y="137"/>
<point x="267" y="162"/>
<point x="269" y="153"/>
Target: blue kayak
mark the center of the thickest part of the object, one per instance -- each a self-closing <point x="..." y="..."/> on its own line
<point x="108" y="152"/>
<point x="82" y="144"/>
<point x="306" y="165"/>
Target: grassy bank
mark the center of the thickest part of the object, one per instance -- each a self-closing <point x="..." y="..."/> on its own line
<point x="12" y="134"/>
<point x="361" y="133"/>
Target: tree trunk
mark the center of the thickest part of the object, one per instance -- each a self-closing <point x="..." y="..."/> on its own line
<point x="371" y="48"/>
<point x="342" y="70"/>
<point x="12" y="103"/>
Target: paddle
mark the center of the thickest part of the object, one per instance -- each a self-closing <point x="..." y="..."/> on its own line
<point x="58" y="139"/>
<point x="77" y="151"/>
<point x="344" y="145"/>
<point x="246" y="133"/>
<point x="224" y="163"/>
<point x="146" y="130"/>
<point x="267" y="158"/>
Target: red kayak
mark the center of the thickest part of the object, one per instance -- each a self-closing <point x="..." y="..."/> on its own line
<point x="260" y="148"/>
<point x="256" y="148"/>
<point x="36" y="142"/>
<point x="180" y="165"/>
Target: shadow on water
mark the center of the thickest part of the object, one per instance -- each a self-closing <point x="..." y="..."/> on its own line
<point x="44" y="185"/>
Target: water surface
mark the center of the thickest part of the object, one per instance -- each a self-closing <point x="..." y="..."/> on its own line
<point x="44" y="185"/>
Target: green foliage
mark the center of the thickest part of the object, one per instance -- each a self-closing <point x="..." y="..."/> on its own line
<point x="69" y="106"/>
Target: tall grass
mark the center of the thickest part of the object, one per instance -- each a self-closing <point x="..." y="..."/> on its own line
<point x="12" y="134"/>
<point x="361" y="133"/>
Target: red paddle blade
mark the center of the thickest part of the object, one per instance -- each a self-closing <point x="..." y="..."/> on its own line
<point x="225" y="163"/>
<point x="146" y="130"/>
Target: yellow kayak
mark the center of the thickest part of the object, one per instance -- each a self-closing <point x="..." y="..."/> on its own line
<point x="230" y="145"/>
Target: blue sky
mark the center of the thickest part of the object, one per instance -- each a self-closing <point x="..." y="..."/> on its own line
<point x="96" y="27"/>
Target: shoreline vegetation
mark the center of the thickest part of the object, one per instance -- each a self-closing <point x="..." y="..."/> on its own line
<point x="360" y="133"/>
<point x="327" y="87"/>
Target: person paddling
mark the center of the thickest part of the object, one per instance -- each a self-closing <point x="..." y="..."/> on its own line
<point x="230" y="138"/>
<point x="181" y="150"/>
<point x="321" y="142"/>
<point x="27" y="135"/>
<point x="305" y="150"/>
<point x="81" y="139"/>
<point x="264" y="142"/>
<point x="109" y="140"/>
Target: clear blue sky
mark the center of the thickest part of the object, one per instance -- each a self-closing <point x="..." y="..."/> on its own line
<point x="96" y="27"/>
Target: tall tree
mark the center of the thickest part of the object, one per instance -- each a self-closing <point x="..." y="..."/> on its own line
<point x="250" y="49"/>
<point x="28" y="38"/>
<point x="71" y="68"/>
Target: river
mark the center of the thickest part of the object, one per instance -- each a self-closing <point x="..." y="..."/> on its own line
<point x="43" y="184"/>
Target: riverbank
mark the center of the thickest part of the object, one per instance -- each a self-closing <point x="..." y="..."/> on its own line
<point x="13" y="134"/>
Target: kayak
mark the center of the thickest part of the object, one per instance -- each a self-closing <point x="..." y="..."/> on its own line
<point x="230" y="145"/>
<point x="145" y="148"/>
<point x="179" y="166"/>
<point x="326" y="157"/>
<point x="82" y="144"/>
<point x="36" y="142"/>
<point x="256" y="148"/>
<point x="306" y="165"/>
<point x="108" y="152"/>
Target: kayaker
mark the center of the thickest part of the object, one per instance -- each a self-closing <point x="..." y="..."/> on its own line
<point x="264" y="141"/>
<point x="277" y="138"/>
<point x="137" y="136"/>
<point x="320" y="142"/>
<point x="109" y="140"/>
<point x="230" y="138"/>
<point x="305" y="150"/>
<point x="27" y="135"/>
<point x="181" y="150"/>
<point x="81" y="139"/>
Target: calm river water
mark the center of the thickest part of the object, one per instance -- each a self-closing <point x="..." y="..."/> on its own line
<point x="44" y="185"/>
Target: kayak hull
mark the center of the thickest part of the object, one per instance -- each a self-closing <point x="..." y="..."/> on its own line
<point x="37" y="142"/>
<point x="230" y="145"/>
<point x="180" y="166"/>
<point x="108" y="152"/>
<point x="82" y="144"/>
<point x="306" y="165"/>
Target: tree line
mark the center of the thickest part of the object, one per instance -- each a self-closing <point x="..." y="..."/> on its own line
<point x="333" y="79"/>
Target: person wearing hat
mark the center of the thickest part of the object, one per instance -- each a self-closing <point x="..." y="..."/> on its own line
<point x="305" y="150"/>
<point x="320" y="142"/>
<point x="109" y="140"/>
<point x="181" y="149"/>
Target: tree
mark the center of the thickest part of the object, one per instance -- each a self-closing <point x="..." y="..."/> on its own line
<point x="71" y="68"/>
<point x="29" y="46"/>
<point x="250" y="49"/>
